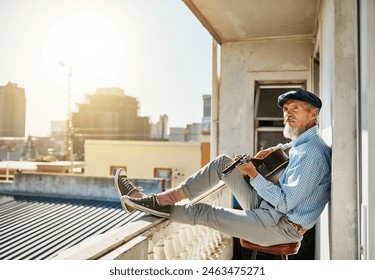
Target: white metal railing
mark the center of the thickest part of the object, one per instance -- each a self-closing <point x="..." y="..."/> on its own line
<point x="176" y="241"/>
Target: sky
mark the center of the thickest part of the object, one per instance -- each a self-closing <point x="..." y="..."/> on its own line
<point x="155" y="50"/>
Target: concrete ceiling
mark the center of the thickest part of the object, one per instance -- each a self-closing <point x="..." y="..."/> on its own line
<point x="242" y="20"/>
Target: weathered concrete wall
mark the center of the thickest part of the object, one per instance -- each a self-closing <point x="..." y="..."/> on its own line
<point x="338" y="69"/>
<point x="74" y="186"/>
<point x="242" y="66"/>
<point x="141" y="157"/>
<point x="368" y="129"/>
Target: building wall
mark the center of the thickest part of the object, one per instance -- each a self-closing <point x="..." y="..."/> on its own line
<point x="367" y="128"/>
<point x="71" y="186"/>
<point x="141" y="157"/>
<point x="12" y="111"/>
<point x="338" y="68"/>
<point x="111" y="116"/>
<point x="177" y="134"/>
<point x="242" y="65"/>
<point x="245" y="64"/>
<point x="345" y="93"/>
<point x="347" y="84"/>
<point x="325" y="43"/>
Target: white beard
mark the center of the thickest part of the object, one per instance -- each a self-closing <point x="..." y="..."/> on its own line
<point x="291" y="132"/>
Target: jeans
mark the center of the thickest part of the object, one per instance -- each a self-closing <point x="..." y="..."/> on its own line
<point x="257" y="222"/>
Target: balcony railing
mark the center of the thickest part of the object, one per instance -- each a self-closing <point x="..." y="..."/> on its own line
<point x="153" y="238"/>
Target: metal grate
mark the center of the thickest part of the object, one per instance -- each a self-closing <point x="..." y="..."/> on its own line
<point x="34" y="228"/>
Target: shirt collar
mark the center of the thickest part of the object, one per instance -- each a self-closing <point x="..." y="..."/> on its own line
<point x="304" y="137"/>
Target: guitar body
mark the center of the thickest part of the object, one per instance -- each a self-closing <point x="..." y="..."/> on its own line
<point x="271" y="167"/>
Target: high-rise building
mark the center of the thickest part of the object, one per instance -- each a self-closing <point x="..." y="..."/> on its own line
<point x="111" y="115"/>
<point x="12" y="111"/>
<point x="159" y="131"/>
<point x="193" y="132"/>
<point x="206" y="120"/>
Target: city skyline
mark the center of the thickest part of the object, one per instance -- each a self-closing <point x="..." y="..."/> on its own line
<point x="156" y="51"/>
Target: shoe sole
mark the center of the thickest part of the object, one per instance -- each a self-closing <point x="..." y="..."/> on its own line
<point x="136" y="206"/>
<point x="124" y="206"/>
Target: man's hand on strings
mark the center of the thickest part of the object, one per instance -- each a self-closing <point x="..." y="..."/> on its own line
<point x="248" y="169"/>
<point x="263" y="153"/>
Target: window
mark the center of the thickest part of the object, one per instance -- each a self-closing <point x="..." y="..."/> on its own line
<point x="166" y="174"/>
<point x="268" y="116"/>
<point x="113" y="169"/>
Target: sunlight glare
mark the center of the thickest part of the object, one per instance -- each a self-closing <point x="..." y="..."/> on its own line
<point x="93" y="45"/>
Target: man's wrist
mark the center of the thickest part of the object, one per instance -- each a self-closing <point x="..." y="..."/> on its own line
<point x="253" y="175"/>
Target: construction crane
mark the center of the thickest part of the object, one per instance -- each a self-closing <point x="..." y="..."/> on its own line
<point x="69" y="125"/>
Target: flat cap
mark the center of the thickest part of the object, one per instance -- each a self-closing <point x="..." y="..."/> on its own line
<point x="302" y="95"/>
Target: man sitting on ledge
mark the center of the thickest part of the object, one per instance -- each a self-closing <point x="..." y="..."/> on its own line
<point x="272" y="213"/>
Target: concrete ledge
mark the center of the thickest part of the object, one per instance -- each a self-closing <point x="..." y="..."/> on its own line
<point x="72" y="185"/>
<point x="115" y="243"/>
<point x="135" y="249"/>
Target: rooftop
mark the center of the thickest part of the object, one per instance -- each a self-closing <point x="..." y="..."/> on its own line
<point x="37" y="228"/>
<point x="43" y="214"/>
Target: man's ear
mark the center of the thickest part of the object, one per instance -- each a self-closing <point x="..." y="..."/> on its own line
<point x="314" y="113"/>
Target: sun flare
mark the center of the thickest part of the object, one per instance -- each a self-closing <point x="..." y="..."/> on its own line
<point x="91" y="44"/>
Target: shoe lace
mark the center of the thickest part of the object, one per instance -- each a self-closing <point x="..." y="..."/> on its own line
<point x="130" y="185"/>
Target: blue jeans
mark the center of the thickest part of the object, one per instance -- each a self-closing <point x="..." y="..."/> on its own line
<point x="257" y="222"/>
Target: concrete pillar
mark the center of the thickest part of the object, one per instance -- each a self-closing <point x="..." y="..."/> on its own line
<point x="344" y="208"/>
<point x="367" y="133"/>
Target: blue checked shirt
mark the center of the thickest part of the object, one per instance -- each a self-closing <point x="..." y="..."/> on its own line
<point x="304" y="187"/>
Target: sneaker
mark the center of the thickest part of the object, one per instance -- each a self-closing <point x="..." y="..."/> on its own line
<point x="125" y="187"/>
<point x="148" y="204"/>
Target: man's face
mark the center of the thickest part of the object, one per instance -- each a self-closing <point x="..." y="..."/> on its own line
<point x="298" y="117"/>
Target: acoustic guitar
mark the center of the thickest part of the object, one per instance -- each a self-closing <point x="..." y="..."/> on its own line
<point x="271" y="166"/>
